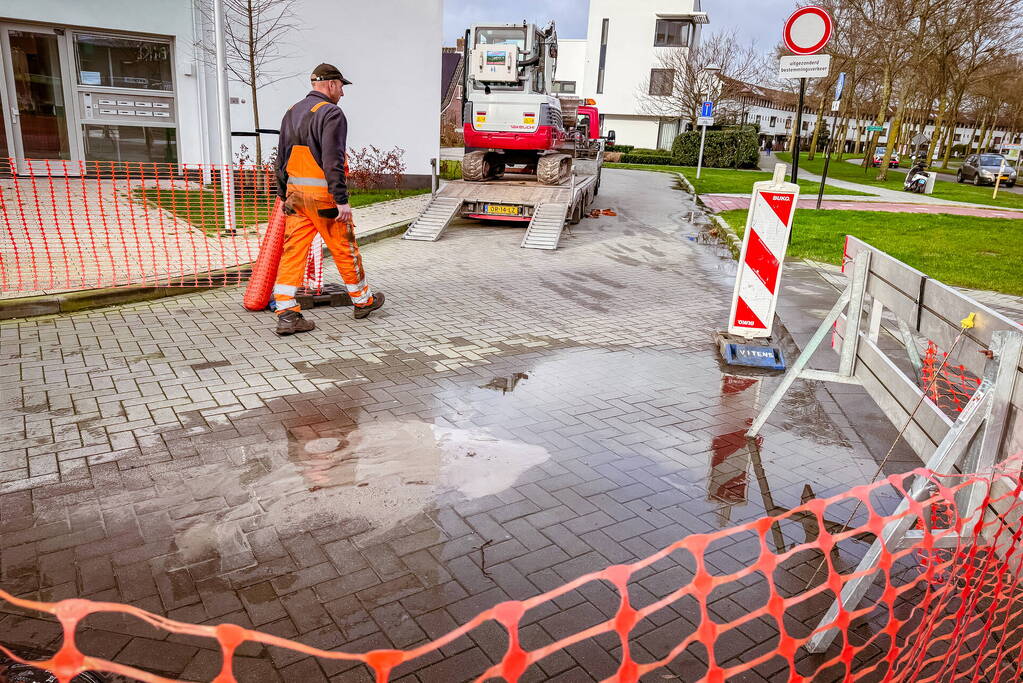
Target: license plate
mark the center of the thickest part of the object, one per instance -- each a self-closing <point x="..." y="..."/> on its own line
<point x="502" y="210"/>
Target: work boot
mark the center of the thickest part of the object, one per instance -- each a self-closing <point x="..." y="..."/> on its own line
<point x="364" y="311"/>
<point x="292" y="322"/>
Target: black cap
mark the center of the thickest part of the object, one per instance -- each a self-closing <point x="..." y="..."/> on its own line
<point x="328" y="72"/>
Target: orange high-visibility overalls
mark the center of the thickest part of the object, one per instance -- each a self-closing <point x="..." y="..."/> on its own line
<point x="310" y="202"/>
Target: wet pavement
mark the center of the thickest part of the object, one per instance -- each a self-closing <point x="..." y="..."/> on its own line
<point x="511" y="419"/>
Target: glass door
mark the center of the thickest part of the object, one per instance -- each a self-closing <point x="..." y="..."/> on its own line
<point x="40" y="113"/>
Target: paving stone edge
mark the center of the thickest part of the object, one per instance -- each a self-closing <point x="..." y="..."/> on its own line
<point x="80" y="300"/>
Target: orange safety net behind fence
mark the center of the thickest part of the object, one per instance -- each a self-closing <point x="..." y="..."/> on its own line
<point x="957" y="616"/>
<point x="81" y="225"/>
<point x="948" y="385"/>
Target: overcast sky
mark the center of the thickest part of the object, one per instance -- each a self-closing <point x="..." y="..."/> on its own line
<point x="755" y="20"/>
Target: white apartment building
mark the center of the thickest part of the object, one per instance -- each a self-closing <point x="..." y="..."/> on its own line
<point x="774" y="111"/>
<point x="624" y="39"/>
<point x="122" y="80"/>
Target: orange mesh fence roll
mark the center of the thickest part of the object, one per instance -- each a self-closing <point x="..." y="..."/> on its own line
<point x="264" y="270"/>
<point x="957" y="616"/>
<point x="87" y="224"/>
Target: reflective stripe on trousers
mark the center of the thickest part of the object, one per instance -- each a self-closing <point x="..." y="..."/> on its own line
<point x="299" y="229"/>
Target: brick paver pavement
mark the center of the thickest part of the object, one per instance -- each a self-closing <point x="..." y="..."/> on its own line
<point x="510" y="420"/>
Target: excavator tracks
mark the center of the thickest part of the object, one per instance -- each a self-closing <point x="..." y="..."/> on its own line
<point x="481" y="166"/>
<point x="553" y="169"/>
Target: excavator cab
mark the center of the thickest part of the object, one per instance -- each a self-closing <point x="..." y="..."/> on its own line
<point x="510" y="118"/>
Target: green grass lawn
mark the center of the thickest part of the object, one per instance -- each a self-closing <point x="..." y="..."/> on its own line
<point x="205" y="208"/>
<point x="980" y="253"/>
<point x="729" y="181"/>
<point x="943" y="189"/>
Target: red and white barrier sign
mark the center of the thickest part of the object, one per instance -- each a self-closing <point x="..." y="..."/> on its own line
<point x="763" y="251"/>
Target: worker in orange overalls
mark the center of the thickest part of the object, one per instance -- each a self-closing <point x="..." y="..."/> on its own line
<point x="311" y="171"/>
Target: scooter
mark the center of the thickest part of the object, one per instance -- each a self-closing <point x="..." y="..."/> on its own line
<point x="916" y="180"/>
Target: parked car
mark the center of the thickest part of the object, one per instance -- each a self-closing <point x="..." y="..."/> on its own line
<point x="893" y="158"/>
<point x="982" y="169"/>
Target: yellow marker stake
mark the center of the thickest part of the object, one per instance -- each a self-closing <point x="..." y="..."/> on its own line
<point x="969" y="321"/>
<point x="998" y="180"/>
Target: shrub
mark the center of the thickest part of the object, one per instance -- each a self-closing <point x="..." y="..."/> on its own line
<point x="612" y="157"/>
<point x="958" y="150"/>
<point x="450" y="136"/>
<point x="650" y="152"/>
<point x="662" y="159"/>
<point x="620" y="148"/>
<point x="450" y="170"/>
<point x="373" y="168"/>
<point x="732" y="148"/>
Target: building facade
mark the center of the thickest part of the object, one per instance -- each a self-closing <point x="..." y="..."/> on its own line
<point x="774" y="112"/>
<point x="625" y="39"/>
<point x="125" y="80"/>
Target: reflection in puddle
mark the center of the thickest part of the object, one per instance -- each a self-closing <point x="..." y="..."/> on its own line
<point x="505" y="384"/>
<point x="389" y="471"/>
<point x="380" y="472"/>
<point x="730" y="452"/>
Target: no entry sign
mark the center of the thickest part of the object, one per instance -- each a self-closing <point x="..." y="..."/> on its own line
<point x="763" y="251"/>
<point x="808" y="30"/>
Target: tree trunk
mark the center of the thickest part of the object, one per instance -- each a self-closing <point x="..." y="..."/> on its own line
<point x="936" y="133"/>
<point x="252" y="79"/>
<point x="952" y="129"/>
<point x="980" y="138"/>
<point x="817" y="129"/>
<point x="882" y="116"/>
<point x="895" y="132"/>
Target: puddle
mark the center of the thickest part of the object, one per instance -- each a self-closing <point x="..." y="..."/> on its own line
<point x="505" y="384"/>
<point x="380" y="472"/>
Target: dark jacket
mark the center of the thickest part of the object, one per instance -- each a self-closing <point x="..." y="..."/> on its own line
<point x="325" y="133"/>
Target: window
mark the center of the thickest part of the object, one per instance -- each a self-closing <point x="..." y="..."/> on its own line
<point x="603" y="55"/>
<point x="805" y="124"/>
<point x="958" y="136"/>
<point x="130" y="143"/>
<point x="671" y="33"/>
<point x="788" y="123"/>
<point x="666" y="133"/>
<point x="662" y="81"/>
<point x="758" y="118"/>
<point x="997" y="141"/>
<point x="501" y="36"/>
<point x="564" y="86"/>
<point x="122" y="62"/>
<point x="774" y="121"/>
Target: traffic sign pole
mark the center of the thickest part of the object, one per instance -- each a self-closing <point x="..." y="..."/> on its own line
<point x="699" y="161"/>
<point x="797" y="130"/>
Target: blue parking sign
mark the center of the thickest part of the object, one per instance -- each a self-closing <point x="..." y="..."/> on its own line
<point x="707" y="109"/>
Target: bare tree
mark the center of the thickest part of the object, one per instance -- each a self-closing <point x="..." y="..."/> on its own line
<point x="254" y="32"/>
<point x="678" y="86"/>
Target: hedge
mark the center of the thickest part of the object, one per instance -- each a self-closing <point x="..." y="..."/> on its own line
<point x="619" y="148"/>
<point x="732" y="148"/>
<point x="662" y="159"/>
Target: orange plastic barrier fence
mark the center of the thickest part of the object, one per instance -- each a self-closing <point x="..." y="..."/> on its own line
<point x="956" y="616"/>
<point x="80" y="225"/>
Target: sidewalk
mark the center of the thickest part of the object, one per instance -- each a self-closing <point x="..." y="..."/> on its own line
<point x="730" y="202"/>
<point x="883" y="194"/>
<point x="942" y="175"/>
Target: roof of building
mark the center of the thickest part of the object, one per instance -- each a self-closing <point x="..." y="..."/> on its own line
<point x="448" y="66"/>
